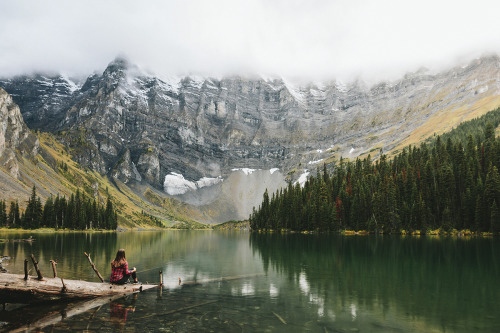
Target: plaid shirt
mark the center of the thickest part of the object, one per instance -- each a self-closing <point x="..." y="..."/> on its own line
<point x="117" y="273"/>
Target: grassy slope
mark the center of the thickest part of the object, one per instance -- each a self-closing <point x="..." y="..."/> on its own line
<point x="442" y="121"/>
<point x="448" y="118"/>
<point x="50" y="177"/>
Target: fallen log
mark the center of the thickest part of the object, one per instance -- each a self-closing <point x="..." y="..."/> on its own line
<point x="14" y="289"/>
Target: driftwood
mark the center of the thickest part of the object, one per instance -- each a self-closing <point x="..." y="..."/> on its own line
<point x="35" y="263"/>
<point x="93" y="267"/>
<point x="14" y="289"/>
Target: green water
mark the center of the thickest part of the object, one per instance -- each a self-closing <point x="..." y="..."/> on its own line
<point x="280" y="283"/>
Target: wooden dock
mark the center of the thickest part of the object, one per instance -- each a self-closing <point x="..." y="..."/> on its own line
<point x="14" y="289"/>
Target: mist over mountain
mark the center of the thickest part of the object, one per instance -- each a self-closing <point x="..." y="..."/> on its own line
<point x="218" y="143"/>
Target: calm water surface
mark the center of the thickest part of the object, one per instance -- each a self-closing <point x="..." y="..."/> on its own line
<point x="277" y="283"/>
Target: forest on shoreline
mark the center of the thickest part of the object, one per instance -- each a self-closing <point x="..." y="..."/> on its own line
<point x="449" y="183"/>
<point x="75" y="213"/>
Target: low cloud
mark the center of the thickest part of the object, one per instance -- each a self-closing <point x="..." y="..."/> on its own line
<point x="296" y="39"/>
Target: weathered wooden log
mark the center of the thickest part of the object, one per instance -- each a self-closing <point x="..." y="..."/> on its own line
<point x="25" y="269"/>
<point x="93" y="267"/>
<point x="14" y="289"/>
<point x="35" y="263"/>
<point x="54" y="263"/>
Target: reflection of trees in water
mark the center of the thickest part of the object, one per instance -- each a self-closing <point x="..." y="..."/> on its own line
<point x="65" y="248"/>
<point x="146" y="250"/>
<point x="446" y="279"/>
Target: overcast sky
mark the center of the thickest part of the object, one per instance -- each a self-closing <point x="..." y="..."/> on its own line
<point x="314" y="39"/>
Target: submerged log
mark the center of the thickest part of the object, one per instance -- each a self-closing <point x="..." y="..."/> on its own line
<point x="177" y="310"/>
<point x="59" y="313"/>
<point x="279" y="317"/>
<point x="14" y="289"/>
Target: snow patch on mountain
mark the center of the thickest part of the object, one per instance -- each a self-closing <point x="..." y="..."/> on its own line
<point x="303" y="178"/>
<point x="315" y="162"/>
<point x="246" y="171"/>
<point x="176" y="184"/>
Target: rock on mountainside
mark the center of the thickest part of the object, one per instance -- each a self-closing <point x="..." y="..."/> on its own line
<point x="187" y="135"/>
<point x="41" y="97"/>
<point x="15" y="136"/>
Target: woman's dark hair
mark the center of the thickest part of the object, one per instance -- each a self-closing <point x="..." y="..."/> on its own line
<point x="120" y="258"/>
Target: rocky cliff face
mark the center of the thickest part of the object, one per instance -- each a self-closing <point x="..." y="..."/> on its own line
<point x="185" y="134"/>
<point x="15" y="136"/>
<point x="42" y="97"/>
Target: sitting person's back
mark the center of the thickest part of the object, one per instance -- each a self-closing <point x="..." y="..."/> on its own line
<point x="119" y="269"/>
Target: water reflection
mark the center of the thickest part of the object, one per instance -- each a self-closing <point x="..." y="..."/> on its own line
<point x="274" y="282"/>
<point x="118" y="310"/>
<point x="433" y="283"/>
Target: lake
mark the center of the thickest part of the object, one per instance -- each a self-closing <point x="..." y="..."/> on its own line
<point x="275" y="282"/>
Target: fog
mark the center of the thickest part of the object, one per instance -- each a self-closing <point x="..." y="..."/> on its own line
<point x="312" y="40"/>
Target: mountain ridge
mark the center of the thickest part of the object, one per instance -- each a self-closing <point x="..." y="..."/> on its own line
<point x="140" y="129"/>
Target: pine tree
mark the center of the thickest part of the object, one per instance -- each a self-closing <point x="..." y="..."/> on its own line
<point x="3" y="213"/>
<point x="33" y="214"/>
<point x="495" y="219"/>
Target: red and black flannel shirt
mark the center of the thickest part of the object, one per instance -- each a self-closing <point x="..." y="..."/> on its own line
<point x="117" y="273"/>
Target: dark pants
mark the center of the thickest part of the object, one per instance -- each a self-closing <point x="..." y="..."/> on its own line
<point x="124" y="279"/>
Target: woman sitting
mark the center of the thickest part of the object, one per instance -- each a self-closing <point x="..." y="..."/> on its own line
<point x="119" y="269"/>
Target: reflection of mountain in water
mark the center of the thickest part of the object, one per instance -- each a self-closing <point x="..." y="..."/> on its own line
<point x="444" y="283"/>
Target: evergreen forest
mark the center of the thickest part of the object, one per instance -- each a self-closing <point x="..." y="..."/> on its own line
<point x="77" y="213"/>
<point x="451" y="182"/>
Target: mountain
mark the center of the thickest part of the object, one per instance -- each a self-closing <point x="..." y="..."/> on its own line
<point x="31" y="158"/>
<point x="217" y="143"/>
